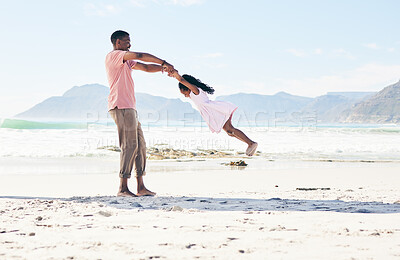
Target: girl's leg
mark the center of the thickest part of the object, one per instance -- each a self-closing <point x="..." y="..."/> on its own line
<point x="232" y="131"/>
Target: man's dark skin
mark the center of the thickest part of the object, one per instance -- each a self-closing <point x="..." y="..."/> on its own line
<point x="124" y="44"/>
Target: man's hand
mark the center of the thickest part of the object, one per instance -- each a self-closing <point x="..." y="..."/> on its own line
<point x="168" y="68"/>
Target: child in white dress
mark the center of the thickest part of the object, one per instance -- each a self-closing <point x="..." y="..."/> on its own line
<point x="217" y="114"/>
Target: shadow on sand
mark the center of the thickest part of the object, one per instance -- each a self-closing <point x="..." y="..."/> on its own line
<point x="169" y="203"/>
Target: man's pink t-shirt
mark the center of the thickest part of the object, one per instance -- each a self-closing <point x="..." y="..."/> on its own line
<point x="122" y="88"/>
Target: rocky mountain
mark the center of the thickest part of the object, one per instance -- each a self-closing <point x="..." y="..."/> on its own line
<point x="328" y="108"/>
<point x="89" y="102"/>
<point x="381" y="108"/>
<point x="265" y="109"/>
<point x="78" y="102"/>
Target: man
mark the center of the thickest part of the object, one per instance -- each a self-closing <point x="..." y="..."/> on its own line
<point x="122" y="108"/>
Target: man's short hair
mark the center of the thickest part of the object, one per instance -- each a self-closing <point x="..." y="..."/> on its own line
<point x="118" y="35"/>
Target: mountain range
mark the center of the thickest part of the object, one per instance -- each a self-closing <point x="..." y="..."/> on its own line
<point x="90" y="102"/>
<point x="381" y="108"/>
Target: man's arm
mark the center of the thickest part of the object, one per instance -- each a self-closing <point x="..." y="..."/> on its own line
<point x="146" y="57"/>
<point x="147" y="67"/>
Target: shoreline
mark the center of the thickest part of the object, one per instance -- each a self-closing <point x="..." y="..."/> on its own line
<point x="110" y="163"/>
<point x="68" y="177"/>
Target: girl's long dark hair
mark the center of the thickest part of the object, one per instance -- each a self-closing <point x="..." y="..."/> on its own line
<point x="197" y="83"/>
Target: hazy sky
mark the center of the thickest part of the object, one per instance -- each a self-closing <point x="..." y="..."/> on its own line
<point x="302" y="47"/>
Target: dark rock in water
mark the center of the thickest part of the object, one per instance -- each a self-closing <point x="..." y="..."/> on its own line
<point x="154" y="153"/>
<point x="236" y="163"/>
<point x="239" y="163"/>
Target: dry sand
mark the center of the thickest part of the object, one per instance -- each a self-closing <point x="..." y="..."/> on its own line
<point x="203" y="209"/>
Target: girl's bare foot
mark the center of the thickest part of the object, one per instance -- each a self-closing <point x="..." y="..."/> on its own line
<point x="251" y="149"/>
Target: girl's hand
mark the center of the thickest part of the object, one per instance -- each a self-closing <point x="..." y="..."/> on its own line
<point x="175" y="74"/>
<point x="167" y="67"/>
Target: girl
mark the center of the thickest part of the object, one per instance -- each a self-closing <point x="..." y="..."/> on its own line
<point x="217" y="114"/>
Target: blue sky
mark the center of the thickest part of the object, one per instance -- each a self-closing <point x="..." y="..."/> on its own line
<point x="303" y="47"/>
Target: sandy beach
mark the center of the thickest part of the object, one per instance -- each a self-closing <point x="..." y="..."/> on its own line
<point x="288" y="152"/>
<point x="204" y="209"/>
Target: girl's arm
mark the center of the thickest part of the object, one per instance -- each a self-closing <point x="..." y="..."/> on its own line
<point x="192" y="87"/>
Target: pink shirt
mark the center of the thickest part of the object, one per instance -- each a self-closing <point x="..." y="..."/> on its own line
<point x="122" y="88"/>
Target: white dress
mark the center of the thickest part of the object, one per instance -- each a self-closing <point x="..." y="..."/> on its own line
<point x="215" y="113"/>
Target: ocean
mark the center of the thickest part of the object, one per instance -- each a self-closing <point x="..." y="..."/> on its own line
<point x="349" y="143"/>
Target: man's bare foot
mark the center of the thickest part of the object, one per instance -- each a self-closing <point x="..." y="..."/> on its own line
<point x="126" y="193"/>
<point x="145" y="192"/>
